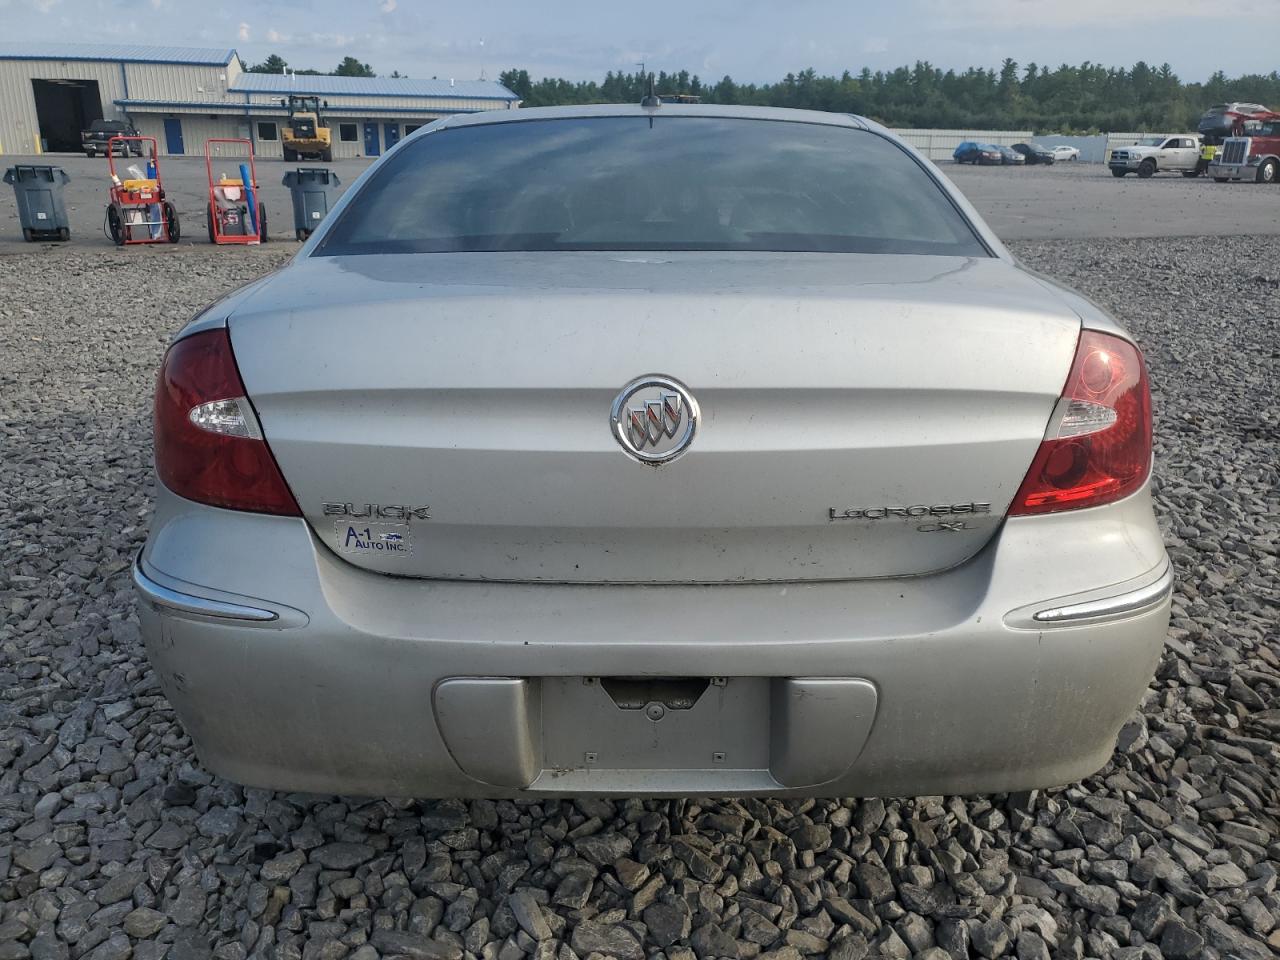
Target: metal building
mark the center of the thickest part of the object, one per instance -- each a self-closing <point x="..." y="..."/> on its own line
<point x="49" y="92"/>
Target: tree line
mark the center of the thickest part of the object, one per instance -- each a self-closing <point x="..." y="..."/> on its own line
<point x="1088" y="98"/>
<point x="349" y="67"/>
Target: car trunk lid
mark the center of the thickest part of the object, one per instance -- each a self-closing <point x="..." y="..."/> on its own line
<point x="447" y="415"/>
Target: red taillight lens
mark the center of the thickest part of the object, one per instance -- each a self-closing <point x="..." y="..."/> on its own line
<point x="208" y="445"/>
<point x="1098" y="448"/>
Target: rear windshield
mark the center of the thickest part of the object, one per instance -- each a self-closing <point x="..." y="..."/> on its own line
<point x="667" y="183"/>
<point x="107" y="125"/>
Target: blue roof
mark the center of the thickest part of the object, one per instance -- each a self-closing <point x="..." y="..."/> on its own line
<point x="127" y="52"/>
<point x="280" y="83"/>
<point x="234" y="107"/>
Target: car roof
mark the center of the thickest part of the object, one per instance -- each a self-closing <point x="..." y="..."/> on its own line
<point x="523" y="114"/>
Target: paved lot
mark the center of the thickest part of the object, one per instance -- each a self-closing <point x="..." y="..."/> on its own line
<point x="115" y="845"/>
<point x="1069" y="200"/>
<point x="1082" y="200"/>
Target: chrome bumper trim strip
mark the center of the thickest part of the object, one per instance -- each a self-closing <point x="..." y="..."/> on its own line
<point x="161" y="596"/>
<point x="1135" y="600"/>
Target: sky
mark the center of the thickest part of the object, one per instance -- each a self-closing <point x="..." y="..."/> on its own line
<point x="750" y="40"/>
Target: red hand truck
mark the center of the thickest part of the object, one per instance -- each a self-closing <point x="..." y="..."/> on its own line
<point x="236" y="212"/>
<point x="138" y="211"/>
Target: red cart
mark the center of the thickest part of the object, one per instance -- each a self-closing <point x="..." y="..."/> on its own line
<point x="236" y="214"/>
<point x="138" y="211"/>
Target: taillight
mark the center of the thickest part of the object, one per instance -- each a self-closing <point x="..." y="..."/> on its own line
<point x="1098" y="445"/>
<point x="209" y="447"/>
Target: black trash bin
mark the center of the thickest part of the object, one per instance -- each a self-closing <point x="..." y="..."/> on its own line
<point x="41" y="209"/>
<point x="313" y="190"/>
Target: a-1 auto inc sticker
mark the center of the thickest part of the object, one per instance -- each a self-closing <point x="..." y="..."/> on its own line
<point x="393" y="539"/>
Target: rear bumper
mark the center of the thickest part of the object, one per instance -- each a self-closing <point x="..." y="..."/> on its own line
<point x="301" y="672"/>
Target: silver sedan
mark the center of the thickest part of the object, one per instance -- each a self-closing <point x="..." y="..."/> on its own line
<point x="653" y="450"/>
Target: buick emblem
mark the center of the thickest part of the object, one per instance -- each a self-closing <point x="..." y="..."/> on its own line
<point x="654" y="419"/>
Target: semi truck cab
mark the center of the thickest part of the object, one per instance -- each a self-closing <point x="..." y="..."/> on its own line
<point x="1254" y="155"/>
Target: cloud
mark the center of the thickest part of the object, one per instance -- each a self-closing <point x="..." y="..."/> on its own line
<point x="243" y="32"/>
<point x="387" y="6"/>
<point x="875" y="45"/>
<point x="332" y="41"/>
<point x="337" y="40"/>
<point x="44" y="6"/>
<point x="157" y="4"/>
<point x="1043" y="14"/>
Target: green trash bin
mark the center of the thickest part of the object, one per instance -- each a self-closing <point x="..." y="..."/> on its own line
<point x="41" y="209"/>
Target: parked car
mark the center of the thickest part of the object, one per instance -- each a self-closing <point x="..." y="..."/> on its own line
<point x="1224" y="120"/>
<point x="544" y="498"/>
<point x="1010" y="157"/>
<point x="1150" y="155"/>
<point x="1034" y="153"/>
<point x="94" y="141"/>
<point x="986" y="154"/>
<point x="1066" y="153"/>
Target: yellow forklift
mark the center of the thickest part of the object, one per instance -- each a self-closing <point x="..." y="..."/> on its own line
<point x="306" y="135"/>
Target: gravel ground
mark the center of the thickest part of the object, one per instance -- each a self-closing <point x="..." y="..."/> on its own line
<point x="114" y="843"/>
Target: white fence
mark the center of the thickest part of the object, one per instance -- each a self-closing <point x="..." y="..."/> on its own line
<point x="1092" y="149"/>
<point x="1127" y="139"/>
<point x="940" y="144"/>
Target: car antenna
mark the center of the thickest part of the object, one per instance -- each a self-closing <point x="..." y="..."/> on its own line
<point x="651" y="99"/>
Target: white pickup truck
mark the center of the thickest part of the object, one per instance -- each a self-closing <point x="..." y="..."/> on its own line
<point x="1149" y="155"/>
